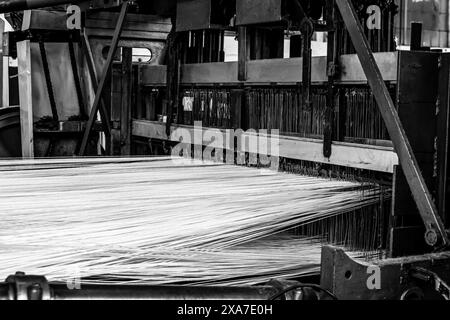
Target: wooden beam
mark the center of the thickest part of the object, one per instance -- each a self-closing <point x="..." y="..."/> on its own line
<point x="381" y="159"/>
<point x="243" y="53"/>
<point x="26" y="98"/>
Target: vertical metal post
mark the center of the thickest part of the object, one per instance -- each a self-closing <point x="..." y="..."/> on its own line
<point x="329" y="129"/>
<point x="26" y="98"/>
<point x="3" y="80"/>
<point x="244" y="53"/>
<point x="174" y="77"/>
<point x="436" y="234"/>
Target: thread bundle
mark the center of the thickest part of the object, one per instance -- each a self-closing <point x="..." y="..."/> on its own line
<point x="163" y="221"/>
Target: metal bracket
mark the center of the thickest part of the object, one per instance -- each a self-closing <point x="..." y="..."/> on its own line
<point x="104" y="77"/>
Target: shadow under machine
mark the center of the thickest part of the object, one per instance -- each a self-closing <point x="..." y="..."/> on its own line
<point x="364" y="112"/>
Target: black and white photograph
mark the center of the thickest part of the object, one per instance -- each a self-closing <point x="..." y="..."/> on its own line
<point x="227" y="156"/>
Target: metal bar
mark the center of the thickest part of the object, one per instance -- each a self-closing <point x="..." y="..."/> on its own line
<point x="48" y="80"/>
<point x="416" y="36"/>
<point x="443" y="138"/>
<point x="329" y="128"/>
<point x="436" y="234"/>
<point x="307" y="30"/>
<point x="60" y="292"/>
<point x="19" y="289"/>
<point x="280" y="71"/>
<point x="76" y="77"/>
<point x="106" y="71"/>
<point x="244" y="52"/>
<point x="3" y="69"/>
<point x="307" y="33"/>
<point x="349" y="155"/>
<point x="173" y="75"/>
<point x="30" y="287"/>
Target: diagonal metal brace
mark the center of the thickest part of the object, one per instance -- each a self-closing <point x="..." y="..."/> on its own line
<point x="436" y="235"/>
<point x="439" y="285"/>
<point x="86" y="47"/>
<point x="106" y="71"/>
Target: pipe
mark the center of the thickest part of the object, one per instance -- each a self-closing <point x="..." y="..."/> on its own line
<point x="20" y="5"/>
<point x="60" y="292"/>
<point x="28" y="287"/>
<point x="8" y="291"/>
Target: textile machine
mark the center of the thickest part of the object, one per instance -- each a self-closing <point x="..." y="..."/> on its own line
<point x="363" y="112"/>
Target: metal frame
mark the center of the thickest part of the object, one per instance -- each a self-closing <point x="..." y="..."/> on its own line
<point x="103" y="79"/>
<point x="436" y="234"/>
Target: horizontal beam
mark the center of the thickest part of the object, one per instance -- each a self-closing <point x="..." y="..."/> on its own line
<point x="102" y="24"/>
<point x="283" y="71"/>
<point x="373" y="158"/>
<point x="20" y="5"/>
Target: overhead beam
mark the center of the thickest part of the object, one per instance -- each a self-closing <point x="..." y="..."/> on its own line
<point x="282" y="71"/>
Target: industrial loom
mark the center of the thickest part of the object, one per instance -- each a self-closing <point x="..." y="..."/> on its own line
<point x="365" y="112"/>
